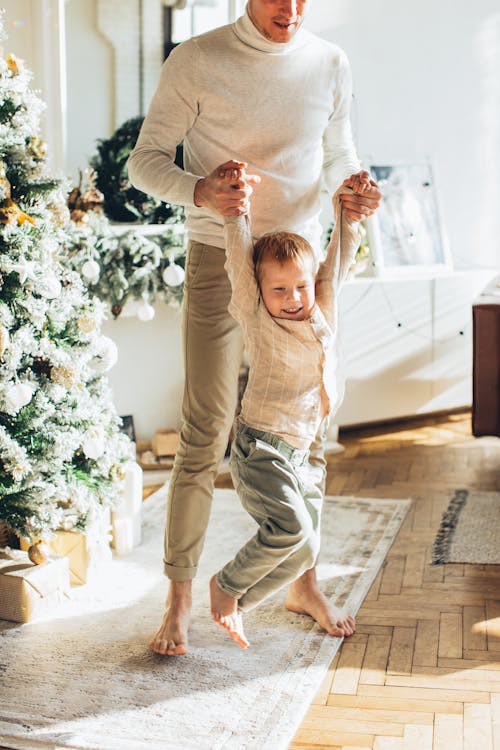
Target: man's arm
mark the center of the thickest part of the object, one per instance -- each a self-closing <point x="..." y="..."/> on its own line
<point x="341" y="164"/>
<point x="364" y="199"/>
<point x="227" y="189"/>
<point x="172" y="113"/>
<point x="340" y="158"/>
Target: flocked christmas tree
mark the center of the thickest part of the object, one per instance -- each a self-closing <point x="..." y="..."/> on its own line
<point x="61" y="450"/>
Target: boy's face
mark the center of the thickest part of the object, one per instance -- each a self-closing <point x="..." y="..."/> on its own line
<point x="287" y="289"/>
<point x="277" y="20"/>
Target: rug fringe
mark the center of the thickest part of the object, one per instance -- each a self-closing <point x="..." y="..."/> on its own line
<point x="444" y="537"/>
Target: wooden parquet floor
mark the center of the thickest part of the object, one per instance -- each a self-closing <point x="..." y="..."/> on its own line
<point x="423" y="669"/>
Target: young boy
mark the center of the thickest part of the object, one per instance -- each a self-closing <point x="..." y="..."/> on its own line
<point x="287" y="308"/>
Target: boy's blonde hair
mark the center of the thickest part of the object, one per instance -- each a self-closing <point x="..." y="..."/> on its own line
<point x="282" y="246"/>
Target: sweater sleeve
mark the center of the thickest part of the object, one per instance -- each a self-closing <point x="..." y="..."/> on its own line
<point x="239" y="266"/>
<point x="340" y="158"/>
<point x="340" y="255"/>
<point x="171" y="114"/>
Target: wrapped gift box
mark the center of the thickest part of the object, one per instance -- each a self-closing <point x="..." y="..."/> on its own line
<point x="28" y="591"/>
<point x="84" y="551"/>
<point x="165" y="442"/>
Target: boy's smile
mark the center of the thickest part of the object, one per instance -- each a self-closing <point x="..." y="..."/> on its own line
<point x="287" y="288"/>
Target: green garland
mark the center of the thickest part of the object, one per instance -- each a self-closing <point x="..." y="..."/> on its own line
<point x="126" y="268"/>
<point x="122" y="201"/>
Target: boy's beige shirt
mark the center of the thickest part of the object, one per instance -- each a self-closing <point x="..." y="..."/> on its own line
<point x="291" y="363"/>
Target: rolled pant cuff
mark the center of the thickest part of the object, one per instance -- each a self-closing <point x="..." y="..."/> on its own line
<point x="227" y="589"/>
<point x="176" y="573"/>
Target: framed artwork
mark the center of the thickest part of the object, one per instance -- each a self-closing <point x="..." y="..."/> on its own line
<point x="405" y="234"/>
<point x="127" y="426"/>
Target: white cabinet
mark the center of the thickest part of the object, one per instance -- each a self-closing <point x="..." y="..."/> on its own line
<point x="407" y="345"/>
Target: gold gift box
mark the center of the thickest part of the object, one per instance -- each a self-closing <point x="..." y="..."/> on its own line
<point x="74" y="546"/>
<point x="165" y="442"/>
<point x="28" y="591"/>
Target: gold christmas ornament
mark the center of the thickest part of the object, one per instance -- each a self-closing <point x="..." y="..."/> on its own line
<point x="14" y="64"/>
<point x="86" y="323"/>
<point x="81" y="202"/>
<point x="36" y="147"/>
<point x="60" y="212"/>
<point x="116" y="473"/>
<point x="79" y="217"/>
<point x="11" y="213"/>
<point x="39" y="553"/>
<point x="64" y="375"/>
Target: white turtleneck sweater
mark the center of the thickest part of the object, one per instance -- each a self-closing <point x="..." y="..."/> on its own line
<point x="233" y="94"/>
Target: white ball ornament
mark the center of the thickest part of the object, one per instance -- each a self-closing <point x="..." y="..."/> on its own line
<point x="93" y="447"/>
<point x="4" y="340"/>
<point x="130" y="308"/>
<point x="51" y="287"/>
<point x="17" y="396"/>
<point x="145" y="311"/>
<point x="106" y="355"/>
<point x="173" y="275"/>
<point x="91" y="271"/>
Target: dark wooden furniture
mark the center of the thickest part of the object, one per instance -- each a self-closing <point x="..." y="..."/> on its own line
<point x="486" y="361"/>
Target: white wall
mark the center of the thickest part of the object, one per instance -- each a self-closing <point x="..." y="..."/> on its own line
<point x="427" y="86"/>
<point x="34" y="32"/>
<point x="147" y="380"/>
<point x="89" y="84"/>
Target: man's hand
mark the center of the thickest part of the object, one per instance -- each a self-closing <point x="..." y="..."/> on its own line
<point x="226" y="190"/>
<point x="365" y="199"/>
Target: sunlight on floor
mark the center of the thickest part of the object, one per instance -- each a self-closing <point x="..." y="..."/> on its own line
<point x="488" y="627"/>
<point x="326" y="572"/>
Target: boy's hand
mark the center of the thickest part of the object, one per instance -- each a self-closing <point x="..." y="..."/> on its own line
<point x="365" y="199"/>
<point x="226" y="190"/>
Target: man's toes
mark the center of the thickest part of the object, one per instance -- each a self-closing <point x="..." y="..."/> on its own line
<point x="171" y="648"/>
<point x="348" y="625"/>
<point x="180" y="649"/>
<point x="336" y="630"/>
<point x="158" y="645"/>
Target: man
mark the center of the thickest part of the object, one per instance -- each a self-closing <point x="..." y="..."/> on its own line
<point x="274" y="98"/>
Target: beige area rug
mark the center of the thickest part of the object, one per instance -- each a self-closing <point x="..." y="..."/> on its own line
<point x="469" y="530"/>
<point x="84" y="679"/>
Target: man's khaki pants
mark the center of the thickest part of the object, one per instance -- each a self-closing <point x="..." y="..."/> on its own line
<point x="213" y="351"/>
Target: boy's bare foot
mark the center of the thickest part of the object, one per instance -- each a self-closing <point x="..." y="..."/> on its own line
<point x="305" y="598"/>
<point x="224" y="609"/>
<point x="171" y="637"/>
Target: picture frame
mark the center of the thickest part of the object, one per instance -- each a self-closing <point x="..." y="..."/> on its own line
<point x="127" y="426"/>
<point x="405" y="235"/>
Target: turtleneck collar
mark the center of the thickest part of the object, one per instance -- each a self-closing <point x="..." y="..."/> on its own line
<point x="250" y="35"/>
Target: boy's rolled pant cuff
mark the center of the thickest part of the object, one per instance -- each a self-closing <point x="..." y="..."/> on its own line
<point x="225" y="588"/>
<point x="176" y="573"/>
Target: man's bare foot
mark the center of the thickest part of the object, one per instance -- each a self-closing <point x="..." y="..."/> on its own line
<point x="224" y="609"/>
<point x="305" y="598"/>
<point x="171" y="636"/>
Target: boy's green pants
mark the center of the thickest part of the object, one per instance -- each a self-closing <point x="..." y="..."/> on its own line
<point x="275" y="484"/>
